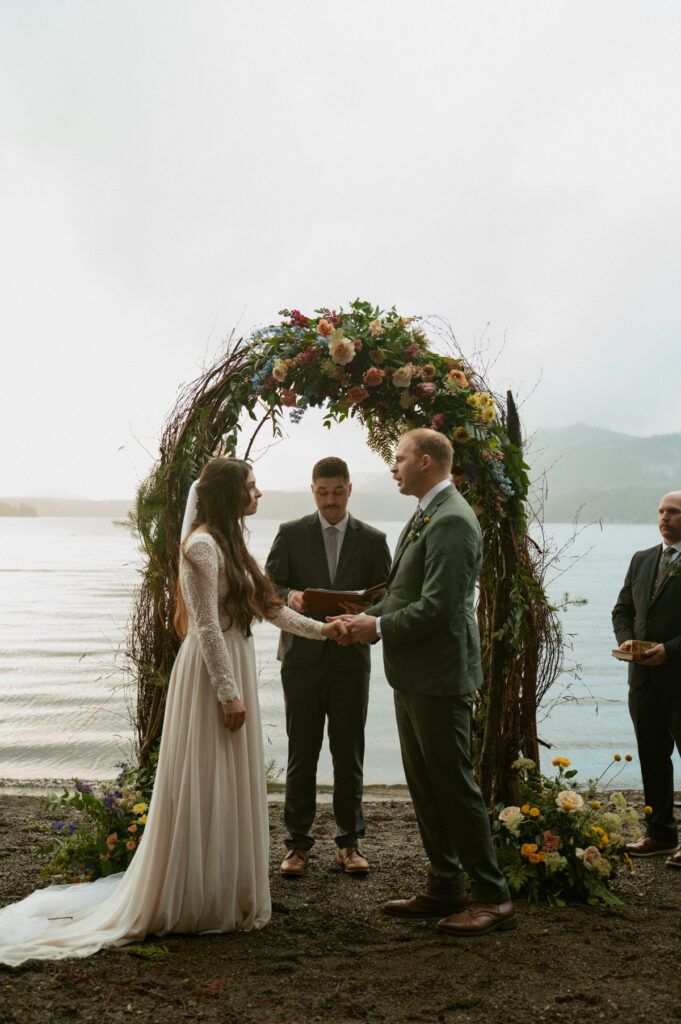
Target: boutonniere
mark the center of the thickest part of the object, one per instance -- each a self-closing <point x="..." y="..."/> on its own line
<point x="674" y="567"/>
<point x="419" y="522"/>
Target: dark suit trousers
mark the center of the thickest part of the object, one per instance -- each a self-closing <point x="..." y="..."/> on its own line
<point x="313" y="694"/>
<point x="435" y="739"/>
<point x="655" y="710"/>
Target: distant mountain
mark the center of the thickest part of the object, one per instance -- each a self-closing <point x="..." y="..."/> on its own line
<point x="111" y="509"/>
<point x="615" y="477"/>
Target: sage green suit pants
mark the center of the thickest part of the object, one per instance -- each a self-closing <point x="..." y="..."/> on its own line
<point x="435" y="740"/>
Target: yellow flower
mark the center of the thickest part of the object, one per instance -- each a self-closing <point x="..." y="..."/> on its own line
<point x="647" y="809"/>
<point x="528" y="848"/>
<point x="535" y="812"/>
<point x="488" y="414"/>
<point x="525" y="808"/>
<point x="627" y="860"/>
<point x="461" y="435"/>
<point x="561" y="762"/>
<point x="617" y="757"/>
<point x="537" y="858"/>
<point x="474" y="400"/>
<point x="596" y="806"/>
<point x="139" y="808"/>
<point x="627" y="757"/>
<point x="598" y="831"/>
<point x="142" y="820"/>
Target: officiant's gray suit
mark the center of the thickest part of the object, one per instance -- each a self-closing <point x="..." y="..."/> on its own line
<point x="323" y="681"/>
<point x="431" y="651"/>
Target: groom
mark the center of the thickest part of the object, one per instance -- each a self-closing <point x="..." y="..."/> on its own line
<point x="431" y="651"/>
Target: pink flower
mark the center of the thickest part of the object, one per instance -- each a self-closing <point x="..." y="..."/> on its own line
<point x="425" y="389"/>
<point x="411" y="351"/>
<point x="437" y="421"/>
<point x="551" y="842"/>
<point x="373" y="377"/>
<point x="307" y="356"/>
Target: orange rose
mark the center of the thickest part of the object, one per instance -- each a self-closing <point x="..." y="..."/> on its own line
<point x="130" y="845"/>
<point x="324" y="328"/>
<point x="458" y="377"/>
<point x="288" y="397"/>
<point x="357" y="394"/>
<point x="373" y="377"/>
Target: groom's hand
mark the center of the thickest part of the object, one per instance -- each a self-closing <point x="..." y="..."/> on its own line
<point x="362" y="628"/>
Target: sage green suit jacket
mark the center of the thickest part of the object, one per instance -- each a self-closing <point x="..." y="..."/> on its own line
<point x="431" y="644"/>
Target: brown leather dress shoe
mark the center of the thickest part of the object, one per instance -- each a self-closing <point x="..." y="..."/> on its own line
<point x="479" y="919"/>
<point x="675" y="860"/>
<point x="352" y="861"/>
<point x="425" y="905"/>
<point x="648" y="847"/>
<point x="294" y="863"/>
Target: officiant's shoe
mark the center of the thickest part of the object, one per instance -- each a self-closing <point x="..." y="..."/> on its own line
<point x="352" y="861"/>
<point x="294" y="863"/>
<point x="425" y="905"/>
<point x="480" y="918"/>
<point x="648" y="847"/>
<point x="675" y="860"/>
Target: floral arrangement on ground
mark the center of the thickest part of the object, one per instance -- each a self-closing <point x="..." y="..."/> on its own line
<point x="564" y="843"/>
<point x="104" y="841"/>
<point x="378" y="366"/>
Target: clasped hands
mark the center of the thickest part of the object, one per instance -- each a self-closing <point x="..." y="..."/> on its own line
<point x="353" y="629"/>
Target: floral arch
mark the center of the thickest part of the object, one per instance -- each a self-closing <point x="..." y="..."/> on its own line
<point x="381" y="368"/>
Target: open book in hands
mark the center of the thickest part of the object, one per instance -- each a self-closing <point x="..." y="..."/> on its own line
<point x="330" y="602"/>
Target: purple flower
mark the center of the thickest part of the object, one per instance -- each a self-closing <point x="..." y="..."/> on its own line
<point x="82" y="787"/>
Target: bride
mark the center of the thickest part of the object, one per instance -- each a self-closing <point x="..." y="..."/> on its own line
<point x="202" y="864"/>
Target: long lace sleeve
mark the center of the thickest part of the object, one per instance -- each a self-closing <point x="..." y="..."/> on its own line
<point x="300" y="625"/>
<point x="200" y="572"/>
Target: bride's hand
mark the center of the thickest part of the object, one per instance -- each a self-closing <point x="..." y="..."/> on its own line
<point x="335" y="630"/>
<point x="233" y="714"/>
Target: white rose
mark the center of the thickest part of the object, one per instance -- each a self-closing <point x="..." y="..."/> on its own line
<point x="567" y="800"/>
<point x="402" y="377"/>
<point x="342" y="350"/>
<point x="279" y="370"/>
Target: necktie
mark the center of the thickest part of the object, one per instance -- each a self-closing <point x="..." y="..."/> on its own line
<point x="665" y="559"/>
<point x="331" y="543"/>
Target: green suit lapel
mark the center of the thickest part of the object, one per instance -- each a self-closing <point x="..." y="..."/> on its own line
<point x="430" y="511"/>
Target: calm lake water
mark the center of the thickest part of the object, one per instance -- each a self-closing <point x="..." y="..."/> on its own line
<point x="65" y="598"/>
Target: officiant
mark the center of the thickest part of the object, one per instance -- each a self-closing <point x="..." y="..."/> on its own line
<point x="329" y="549"/>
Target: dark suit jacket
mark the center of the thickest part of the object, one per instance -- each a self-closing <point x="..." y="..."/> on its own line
<point x="297" y="560"/>
<point x="639" y="616"/>
<point x="431" y="644"/>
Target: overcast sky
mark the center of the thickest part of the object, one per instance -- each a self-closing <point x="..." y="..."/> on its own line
<point x="171" y="170"/>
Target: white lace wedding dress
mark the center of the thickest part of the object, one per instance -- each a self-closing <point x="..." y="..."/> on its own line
<point x="202" y="864"/>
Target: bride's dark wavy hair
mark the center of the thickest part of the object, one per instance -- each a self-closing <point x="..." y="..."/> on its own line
<point x="222" y="496"/>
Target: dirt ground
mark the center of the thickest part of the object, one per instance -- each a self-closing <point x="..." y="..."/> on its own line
<point x="328" y="955"/>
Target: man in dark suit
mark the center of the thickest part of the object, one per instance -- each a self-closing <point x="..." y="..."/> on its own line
<point x="649" y="608"/>
<point x="329" y="549"/>
<point x="431" y="650"/>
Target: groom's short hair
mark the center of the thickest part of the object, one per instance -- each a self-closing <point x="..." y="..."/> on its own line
<point x="328" y="467"/>
<point x="433" y="443"/>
